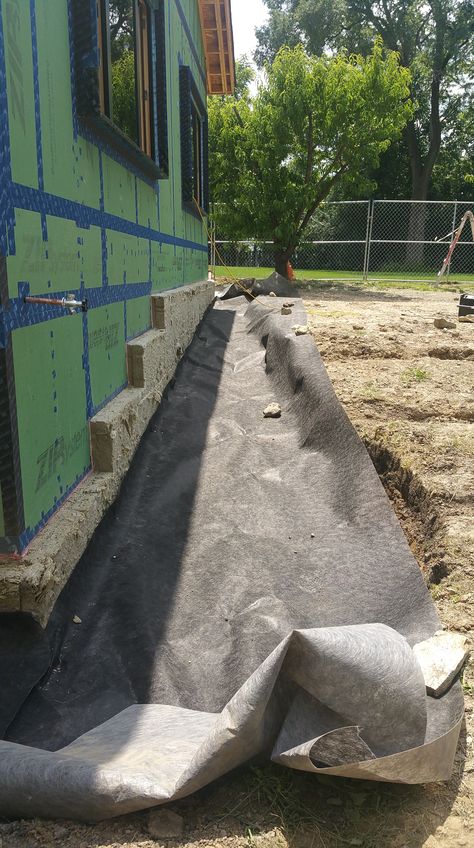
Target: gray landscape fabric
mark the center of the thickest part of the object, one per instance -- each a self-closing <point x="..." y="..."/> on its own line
<point x="250" y="593"/>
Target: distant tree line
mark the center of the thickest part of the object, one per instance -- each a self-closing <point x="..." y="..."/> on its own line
<point x="357" y="99"/>
<point x="434" y="158"/>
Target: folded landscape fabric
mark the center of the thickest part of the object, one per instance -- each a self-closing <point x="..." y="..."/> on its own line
<point x="250" y="593"/>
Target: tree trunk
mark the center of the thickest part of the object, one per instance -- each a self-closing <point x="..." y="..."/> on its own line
<point x="416" y="223"/>
<point x="421" y="171"/>
<point x="281" y="258"/>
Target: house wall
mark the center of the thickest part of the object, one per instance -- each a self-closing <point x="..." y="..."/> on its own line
<point x="75" y="218"/>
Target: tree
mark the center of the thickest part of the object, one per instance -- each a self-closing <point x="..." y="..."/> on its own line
<point x="123" y="66"/>
<point x="124" y="94"/>
<point x="434" y="39"/>
<point x="453" y="174"/>
<point x="121" y="27"/>
<point x="314" y="123"/>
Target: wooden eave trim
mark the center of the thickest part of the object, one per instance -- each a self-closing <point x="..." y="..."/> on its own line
<point x="216" y="25"/>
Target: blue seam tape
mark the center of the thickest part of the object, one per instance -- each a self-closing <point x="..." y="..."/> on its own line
<point x="33" y="200"/>
<point x="34" y="48"/>
<point x="110" y="397"/>
<point x="21" y="314"/>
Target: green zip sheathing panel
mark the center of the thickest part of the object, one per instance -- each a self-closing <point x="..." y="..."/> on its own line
<point x="107" y="363"/>
<point x="138" y="316"/>
<point x="71" y="255"/>
<point x="20" y="91"/>
<point x="70" y="167"/>
<point x="78" y="219"/>
<point x="51" y="410"/>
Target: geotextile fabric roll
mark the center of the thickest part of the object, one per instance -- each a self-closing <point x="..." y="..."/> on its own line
<point x="250" y="592"/>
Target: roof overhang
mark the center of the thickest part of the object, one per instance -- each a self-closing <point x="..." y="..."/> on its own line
<point x="216" y="22"/>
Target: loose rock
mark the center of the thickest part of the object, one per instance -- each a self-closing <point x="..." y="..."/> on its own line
<point x="289" y="303"/>
<point x="273" y="410"/>
<point x="77" y="620"/>
<point x="285" y="310"/>
<point x="444" y="324"/>
<point x="271" y="294"/>
<point x="440" y="658"/>
<point x="357" y="326"/>
<point x="164" y="824"/>
<point x="300" y="329"/>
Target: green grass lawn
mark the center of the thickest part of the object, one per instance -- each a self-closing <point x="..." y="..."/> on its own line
<point x="382" y="280"/>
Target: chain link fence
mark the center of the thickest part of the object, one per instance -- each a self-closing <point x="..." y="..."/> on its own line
<point x="370" y="240"/>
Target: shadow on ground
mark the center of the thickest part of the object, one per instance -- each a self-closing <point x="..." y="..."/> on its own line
<point x="106" y="631"/>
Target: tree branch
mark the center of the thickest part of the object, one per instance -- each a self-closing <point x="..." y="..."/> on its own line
<point x="309" y="150"/>
<point x="325" y="188"/>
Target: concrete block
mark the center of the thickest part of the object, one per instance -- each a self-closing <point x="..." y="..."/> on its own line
<point x="114" y="430"/>
<point x="149" y="361"/>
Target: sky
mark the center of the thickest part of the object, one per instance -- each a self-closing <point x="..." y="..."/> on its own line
<point x="246" y="15"/>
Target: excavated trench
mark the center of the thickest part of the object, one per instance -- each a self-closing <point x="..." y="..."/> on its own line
<point x="397" y="378"/>
<point x="416" y="510"/>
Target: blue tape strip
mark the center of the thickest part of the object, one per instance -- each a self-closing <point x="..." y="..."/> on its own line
<point x="34" y="200"/>
<point x="75" y="127"/>
<point x="110" y="397"/>
<point x="21" y="314"/>
<point x="36" y="94"/>
<point x="85" y="356"/>
<point x="34" y="47"/>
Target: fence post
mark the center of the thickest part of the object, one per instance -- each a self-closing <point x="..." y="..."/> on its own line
<point x="453" y="230"/>
<point x="213" y="234"/>
<point x="368" y="236"/>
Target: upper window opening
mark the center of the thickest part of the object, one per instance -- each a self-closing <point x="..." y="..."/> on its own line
<point x="124" y="72"/>
<point x="120" y="78"/>
<point x="194" y="132"/>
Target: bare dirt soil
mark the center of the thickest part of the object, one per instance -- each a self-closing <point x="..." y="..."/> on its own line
<point x="409" y="390"/>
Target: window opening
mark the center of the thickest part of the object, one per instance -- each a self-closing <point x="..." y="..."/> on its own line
<point x="125" y="68"/>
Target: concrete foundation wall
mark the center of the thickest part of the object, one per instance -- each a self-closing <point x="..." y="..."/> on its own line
<point x="33" y="582"/>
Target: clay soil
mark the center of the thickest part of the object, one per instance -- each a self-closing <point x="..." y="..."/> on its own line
<point x="408" y="388"/>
